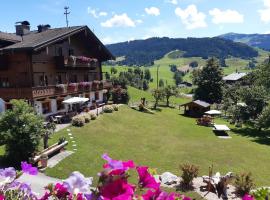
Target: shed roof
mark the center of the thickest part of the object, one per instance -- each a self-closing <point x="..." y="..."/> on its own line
<point x="198" y="102"/>
<point x="234" y="76"/>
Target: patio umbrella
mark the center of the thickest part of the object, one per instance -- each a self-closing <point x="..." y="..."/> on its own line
<point x="75" y="100"/>
<point x="213" y="112"/>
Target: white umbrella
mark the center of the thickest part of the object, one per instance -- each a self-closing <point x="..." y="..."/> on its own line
<point x="213" y="112"/>
<point x="75" y="100"/>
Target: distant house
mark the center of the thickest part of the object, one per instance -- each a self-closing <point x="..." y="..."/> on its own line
<point x="196" y="108"/>
<point x="234" y="77"/>
<point x="185" y="84"/>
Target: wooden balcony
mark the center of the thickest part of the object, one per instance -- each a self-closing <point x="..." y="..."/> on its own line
<point x="67" y="63"/>
<point x="50" y="91"/>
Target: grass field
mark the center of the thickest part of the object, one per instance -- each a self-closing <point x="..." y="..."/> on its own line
<point x="163" y="141"/>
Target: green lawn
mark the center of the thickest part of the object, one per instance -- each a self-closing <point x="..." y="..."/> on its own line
<point x="163" y="141"/>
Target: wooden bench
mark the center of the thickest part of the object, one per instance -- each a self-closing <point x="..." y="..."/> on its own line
<point x="48" y="152"/>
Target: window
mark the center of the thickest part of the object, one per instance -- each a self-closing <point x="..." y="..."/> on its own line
<point x="4" y="82"/>
<point x="86" y="78"/>
<point x="96" y="96"/>
<point x="70" y="52"/>
<point x="60" y="51"/>
<point x="60" y="105"/>
<point x="58" y="79"/>
<point x="45" y="80"/>
<point x="73" y="78"/>
<point x="46" y="107"/>
<point x="41" y="80"/>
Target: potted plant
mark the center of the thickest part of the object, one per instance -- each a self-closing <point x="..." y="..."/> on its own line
<point x="44" y="160"/>
<point x="72" y="87"/>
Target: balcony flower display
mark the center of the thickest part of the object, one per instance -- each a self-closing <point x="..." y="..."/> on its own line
<point x="72" y="87"/>
<point x="60" y="87"/>
<point x="84" y="85"/>
<point x="113" y="184"/>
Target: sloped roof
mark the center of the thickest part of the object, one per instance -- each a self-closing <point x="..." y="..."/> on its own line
<point x="234" y="76"/>
<point x="198" y="102"/>
<point x="36" y="40"/>
<point x="10" y="37"/>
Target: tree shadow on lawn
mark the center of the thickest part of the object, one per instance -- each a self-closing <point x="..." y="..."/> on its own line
<point x="261" y="137"/>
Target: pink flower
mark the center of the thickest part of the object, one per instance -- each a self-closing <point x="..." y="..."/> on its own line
<point x="146" y="180"/>
<point x="117" y="190"/>
<point x="28" y="168"/>
<point x="117" y="166"/>
<point x="45" y="196"/>
<point x="2" y="197"/>
<point x="60" y="191"/>
<point x="248" y="197"/>
<point x="160" y="195"/>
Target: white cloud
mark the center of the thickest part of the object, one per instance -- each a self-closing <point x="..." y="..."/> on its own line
<point x="226" y="16"/>
<point x="174" y="2"/>
<point x="191" y="17"/>
<point x="102" y="13"/>
<point x="265" y="13"/>
<point x="152" y="11"/>
<point x="139" y="21"/>
<point x="95" y="13"/>
<point x="119" y="21"/>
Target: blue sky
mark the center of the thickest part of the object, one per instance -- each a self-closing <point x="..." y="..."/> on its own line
<point x="122" y="20"/>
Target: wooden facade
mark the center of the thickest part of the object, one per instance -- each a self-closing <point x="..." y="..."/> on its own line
<point x="47" y="71"/>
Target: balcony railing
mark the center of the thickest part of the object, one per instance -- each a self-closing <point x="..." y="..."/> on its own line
<point x="47" y="91"/>
<point x="75" y="62"/>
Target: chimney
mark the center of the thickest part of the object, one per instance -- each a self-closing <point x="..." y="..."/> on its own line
<point x="22" y="28"/>
<point x="42" y="28"/>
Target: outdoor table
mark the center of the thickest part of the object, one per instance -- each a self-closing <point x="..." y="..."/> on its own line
<point x="59" y="118"/>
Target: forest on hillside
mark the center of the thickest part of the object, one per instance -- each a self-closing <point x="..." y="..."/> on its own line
<point x="145" y="52"/>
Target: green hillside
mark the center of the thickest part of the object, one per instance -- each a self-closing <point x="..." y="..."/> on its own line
<point x="234" y="64"/>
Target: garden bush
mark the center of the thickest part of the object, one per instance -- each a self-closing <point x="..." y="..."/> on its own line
<point x="108" y="109"/>
<point x="92" y="116"/>
<point x="189" y="172"/>
<point x="115" y="107"/>
<point x="244" y="183"/>
<point x="87" y="118"/>
<point x="78" y="121"/>
<point x="261" y="194"/>
<point x="120" y="95"/>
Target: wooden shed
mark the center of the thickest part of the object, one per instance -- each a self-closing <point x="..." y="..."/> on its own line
<point x="196" y="108"/>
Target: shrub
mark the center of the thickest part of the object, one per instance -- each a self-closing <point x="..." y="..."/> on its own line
<point x="120" y="95"/>
<point x="93" y="116"/>
<point x="244" y="183"/>
<point x="108" y="109"/>
<point x="21" y="131"/>
<point x="261" y="194"/>
<point x="115" y="107"/>
<point x="87" y="118"/>
<point x="78" y="121"/>
<point x="189" y="172"/>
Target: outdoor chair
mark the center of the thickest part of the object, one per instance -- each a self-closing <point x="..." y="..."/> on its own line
<point x="53" y="119"/>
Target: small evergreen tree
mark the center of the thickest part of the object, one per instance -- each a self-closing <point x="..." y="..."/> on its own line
<point x="145" y="85"/>
<point x="209" y="82"/>
<point x="21" y="131"/>
<point x="161" y="83"/>
<point x="147" y="74"/>
<point x="178" y="78"/>
<point x="107" y="76"/>
<point x="113" y="70"/>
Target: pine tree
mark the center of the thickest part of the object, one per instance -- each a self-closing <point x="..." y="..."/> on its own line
<point x="209" y="82"/>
